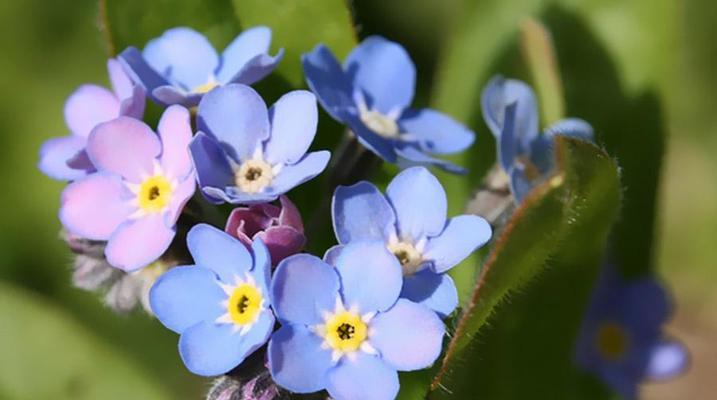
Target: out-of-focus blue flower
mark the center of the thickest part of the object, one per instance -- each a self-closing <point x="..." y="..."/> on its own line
<point x="247" y="154"/>
<point x="220" y="306"/>
<point x="621" y="339"/>
<point x="344" y="329"/>
<point x="180" y="66"/>
<point x="371" y="94"/>
<point x="410" y="220"/>
<point x="511" y="113"/>
<point x="65" y="158"/>
<point x="141" y="185"/>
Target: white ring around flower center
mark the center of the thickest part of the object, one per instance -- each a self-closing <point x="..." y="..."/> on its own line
<point x="253" y="176"/>
<point x="407" y="254"/>
<point x="380" y="123"/>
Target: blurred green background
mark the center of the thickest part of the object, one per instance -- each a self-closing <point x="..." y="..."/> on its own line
<point x="59" y="342"/>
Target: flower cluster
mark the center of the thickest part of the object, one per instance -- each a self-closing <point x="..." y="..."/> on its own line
<point x="141" y="211"/>
<point x="373" y="306"/>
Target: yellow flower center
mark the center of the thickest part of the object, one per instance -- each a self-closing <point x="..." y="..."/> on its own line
<point x="253" y="176"/>
<point x="409" y="257"/>
<point x="379" y="123"/>
<point x="206" y="87"/>
<point x="612" y="341"/>
<point x="244" y="304"/>
<point x="345" y="331"/>
<point x="154" y="194"/>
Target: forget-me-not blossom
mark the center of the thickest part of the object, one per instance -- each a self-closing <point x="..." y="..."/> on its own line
<point x="65" y="158"/>
<point x="372" y="93"/>
<point x="621" y="339"/>
<point x="247" y="154"/>
<point x="140" y="187"/>
<point x="410" y="220"/>
<point x="180" y="66"/>
<point x="220" y="305"/>
<point x="344" y="328"/>
<point x="511" y="112"/>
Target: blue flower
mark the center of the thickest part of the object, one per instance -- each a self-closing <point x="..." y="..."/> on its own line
<point x="220" y="306"/>
<point x="180" y="66"/>
<point x="621" y="339"/>
<point x="371" y="94"/>
<point x="247" y="154"/>
<point x="344" y="329"/>
<point x="411" y="222"/>
<point x="511" y="113"/>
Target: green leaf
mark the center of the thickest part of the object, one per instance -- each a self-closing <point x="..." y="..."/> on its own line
<point x="133" y="22"/>
<point x="298" y="26"/>
<point x="48" y="355"/>
<point x="569" y="214"/>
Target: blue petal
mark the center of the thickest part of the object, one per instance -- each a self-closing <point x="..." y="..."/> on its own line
<point x="499" y="94"/>
<point x="56" y="152"/>
<point x="236" y="115"/>
<point x="361" y="212"/>
<point x="574" y="127"/>
<point x="668" y="360"/>
<point x="262" y="265"/>
<point x="366" y="378"/>
<point x="294" y="118"/>
<point x="232" y="194"/>
<point x="210" y="349"/>
<point x="141" y="72"/>
<point x="218" y="251"/>
<point x="169" y="95"/>
<point x="247" y="45"/>
<point x="461" y="237"/>
<point x="436" y="132"/>
<point x="508" y="145"/>
<point x="409" y="336"/>
<point x="379" y="145"/>
<point x="184" y="296"/>
<point x="329" y="82"/>
<point x="411" y="156"/>
<point x="644" y="308"/>
<point x="435" y="291"/>
<point x="384" y="70"/>
<point x="371" y="276"/>
<point x="182" y="55"/>
<point x="302" y="288"/>
<point x="420" y="203"/>
<point x="211" y="164"/>
<point x="520" y="186"/>
<point x="294" y="175"/>
<point x="296" y="360"/>
<point x="332" y="254"/>
<point x="257" y="68"/>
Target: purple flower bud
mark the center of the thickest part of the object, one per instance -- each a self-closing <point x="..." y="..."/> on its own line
<point x="279" y="227"/>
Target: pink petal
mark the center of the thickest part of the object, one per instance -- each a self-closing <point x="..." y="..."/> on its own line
<point x="125" y="146"/>
<point x="290" y="214"/>
<point x="282" y="242"/>
<point x="248" y="221"/>
<point x="175" y="131"/>
<point x="180" y="197"/>
<point x="138" y="243"/>
<point x="89" y="106"/>
<point x="95" y="206"/>
<point x="121" y="83"/>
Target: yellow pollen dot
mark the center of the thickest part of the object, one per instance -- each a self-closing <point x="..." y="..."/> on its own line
<point x="154" y="194"/>
<point x="612" y="341"/>
<point x="409" y="257"/>
<point x="244" y="304"/>
<point x="346" y="331"/>
<point x="379" y="123"/>
<point x="206" y="87"/>
<point x="253" y="176"/>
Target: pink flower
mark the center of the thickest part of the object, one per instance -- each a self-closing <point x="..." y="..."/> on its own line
<point x="280" y="228"/>
<point x="140" y="187"/>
